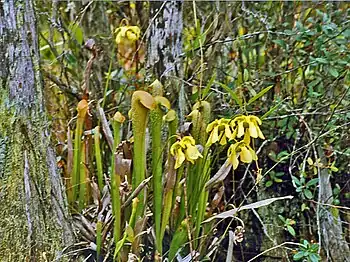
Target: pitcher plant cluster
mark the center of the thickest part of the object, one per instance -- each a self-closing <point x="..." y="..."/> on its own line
<point x="171" y="184"/>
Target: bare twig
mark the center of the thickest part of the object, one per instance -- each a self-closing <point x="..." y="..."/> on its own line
<point x="136" y="192"/>
<point x="105" y="127"/>
<point x="272" y="248"/>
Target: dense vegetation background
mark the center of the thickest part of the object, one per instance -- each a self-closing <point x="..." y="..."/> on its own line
<point x="199" y="197"/>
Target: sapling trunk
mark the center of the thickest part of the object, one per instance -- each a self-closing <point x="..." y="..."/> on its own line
<point x="82" y="110"/>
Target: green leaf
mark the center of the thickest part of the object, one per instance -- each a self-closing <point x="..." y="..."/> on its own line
<point x="321" y="60"/>
<point x="312" y="182"/>
<point x="291" y="230"/>
<point x="314" y="83"/>
<point x="279" y="174"/>
<point x="77" y="32"/>
<point x="282" y="218"/>
<point x="309" y="161"/>
<point x="272" y="156"/>
<point x="130" y="233"/>
<point x="245" y="75"/>
<point x="304" y="207"/>
<point x="334" y="169"/>
<point x="71" y="59"/>
<point x="260" y="94"/>
<point x="269" y="183"/>
<point x="282" y="154"/>
<point x="289" y="134"/>
<point x="314" y="257"/>
<point x="308" y="194"/>
<point x="281" y="43"/>
<point x="234" y="96"/>
<point x="333" y="72"/>
<point x="272" y="109"/>
<point x="314" y="247"/>
<point x="298" y="255"/>
<point x="296" y="180"/>
<point x="209" y="84"/>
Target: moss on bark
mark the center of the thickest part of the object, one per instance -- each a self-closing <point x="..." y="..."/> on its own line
<point x="33" y="216"/>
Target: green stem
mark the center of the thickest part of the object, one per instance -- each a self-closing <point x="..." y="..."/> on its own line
<point x="117" y="120"/>
<point x="121" y="243"/>
<point x="179" y="239"/>
<point x="203" y="194"/>
<point x="82" y="110"/>
<point x="198" y="174"/>
<point x="171" y="182"/>
<point x="180" y="193"/>
<point x="76" y="158"/>
<point x="98" y="239"/>
<point x="141" y="102"/>
<point x="156" y="116"/>
<point x="98" y="158"/>
<point x="83" y="180"/>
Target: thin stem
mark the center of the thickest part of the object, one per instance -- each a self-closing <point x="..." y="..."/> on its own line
<point x="98" y="158"/>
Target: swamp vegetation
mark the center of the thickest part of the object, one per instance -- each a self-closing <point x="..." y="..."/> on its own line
<point x="174" y="131"/>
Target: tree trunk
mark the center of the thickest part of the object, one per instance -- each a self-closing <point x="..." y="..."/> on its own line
<point x="332" y="239"/>
<point x="33" y="216"/>
<point x="165" y="48"/>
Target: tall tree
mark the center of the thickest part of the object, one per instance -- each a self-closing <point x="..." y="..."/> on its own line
<point x="33" y="216"/>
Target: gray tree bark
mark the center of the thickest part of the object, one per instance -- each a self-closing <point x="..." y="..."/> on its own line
<point x="34" y="222"/>
<point x="331" y="232"/>
<point x="165" y="48"/>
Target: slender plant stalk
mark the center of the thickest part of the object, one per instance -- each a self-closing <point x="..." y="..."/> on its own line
<point x="156" y="116"/>
<point x="98" y="157"/>
<point x="68" y="175"/>
<point x="180" y="237"/>
<point x="171" y="180"/>
<point x="141" y="102"/>
<point x="203" y="196"/>
<point x="117" y="121"/>
<point x="198" y="174"/>
<point x="156" y="129"/>
<point x="82" y="110"/>
<point x="98" y="239"/>
<point x="83" y="178"/>
<point x="179" y="192"/>
<point x="131" y="224"/>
